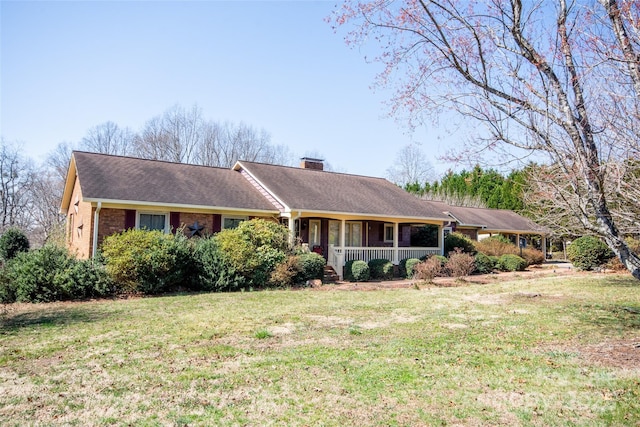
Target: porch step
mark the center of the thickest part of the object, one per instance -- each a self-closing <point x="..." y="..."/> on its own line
<point x="330" y="275"/>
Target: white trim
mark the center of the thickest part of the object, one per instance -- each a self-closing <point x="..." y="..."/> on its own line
<point x="243" y="218"/>
<point x="96" y="222"/>
<point x="181" y="207"/>
<point x="239" y="165"/>
<point x="143" y="212"/>
<point x="384" y="236"/>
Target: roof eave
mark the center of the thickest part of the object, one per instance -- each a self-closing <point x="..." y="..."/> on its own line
<point x="69" y="182"/>
<point x="180" y="205"/>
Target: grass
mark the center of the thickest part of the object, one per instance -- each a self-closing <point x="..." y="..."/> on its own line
<point x="554" y="351"/>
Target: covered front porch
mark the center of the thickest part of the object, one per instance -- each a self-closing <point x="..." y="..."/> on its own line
<point x="346" y="238"/>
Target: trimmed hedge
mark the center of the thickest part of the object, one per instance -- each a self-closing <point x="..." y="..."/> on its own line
<point x="381" y="269"/>
<point x="484" y="263"/>
<point x="510" y="262"/>
<point x="311" y="267"/>
<point x="356" y="271"/>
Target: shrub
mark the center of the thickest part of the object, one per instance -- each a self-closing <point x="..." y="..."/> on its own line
<point x="410" y="266"/>
<point x="497" y="246"/>
<point x="51" y="274"/>
<point x="484" y="264"/>
<point x="212" y="271"/>
<point x="460" y="264"/>
<point x="510" y="262"/>
<point x="284" y="274"/>
<point x="359" y="271"/>
<point x="428" y="270"/>
<point x="12" y="242"/>
<point x="253" y="250"/>
<point x="147" y="261"/>
<point x="588" y="252"/>
<point x="86" y="279"/>
<point x="380" y="269"/>
<point x="459" y="241"/>
<point x="311" y="267"/>
<point x="532" y="256"/>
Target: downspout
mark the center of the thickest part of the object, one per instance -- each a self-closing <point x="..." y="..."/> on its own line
<point x="96" y="220"/>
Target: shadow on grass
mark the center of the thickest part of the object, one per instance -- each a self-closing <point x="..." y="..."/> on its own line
<point x="621" y="281"/>
<point x="611" y="316"/>
<point x="48" y="318"/>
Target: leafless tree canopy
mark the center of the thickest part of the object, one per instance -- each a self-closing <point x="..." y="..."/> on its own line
<point x="557" y="78"/>
<point x="411" y="166"/>
<point x="16" y="177"/>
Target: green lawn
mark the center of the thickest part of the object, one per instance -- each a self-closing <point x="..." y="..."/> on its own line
<point x="550" y="351"/>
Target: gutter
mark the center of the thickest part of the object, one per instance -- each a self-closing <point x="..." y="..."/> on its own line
<point x="96" y="221"/>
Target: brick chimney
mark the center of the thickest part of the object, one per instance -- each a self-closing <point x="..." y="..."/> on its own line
<point x="309" y="163"/>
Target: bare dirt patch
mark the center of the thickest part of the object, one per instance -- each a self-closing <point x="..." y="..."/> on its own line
<point x="615" y="353"/>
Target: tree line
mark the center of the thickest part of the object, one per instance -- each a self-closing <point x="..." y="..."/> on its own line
<point x="30" y="194"/>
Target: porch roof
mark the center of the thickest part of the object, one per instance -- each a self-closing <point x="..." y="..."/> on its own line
<point x="322" y="191"/>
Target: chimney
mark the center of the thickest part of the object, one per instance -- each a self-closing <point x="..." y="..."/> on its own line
<point x="309" y="163"/>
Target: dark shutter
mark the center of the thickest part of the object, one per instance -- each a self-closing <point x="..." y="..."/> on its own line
<point x="217" y="223"/>
<point x="129" y="219"/>
<point x="174" y="221"/>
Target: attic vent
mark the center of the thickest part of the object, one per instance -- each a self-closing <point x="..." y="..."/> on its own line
<point x="309" y="163"/>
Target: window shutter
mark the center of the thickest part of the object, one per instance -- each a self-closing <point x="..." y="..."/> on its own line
<point x="174" y="221"/>
<point x="129" y="219"/>
<point x="217" y="223"/>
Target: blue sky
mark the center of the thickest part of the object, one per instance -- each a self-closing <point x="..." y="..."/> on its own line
<point x="68" y="66"/>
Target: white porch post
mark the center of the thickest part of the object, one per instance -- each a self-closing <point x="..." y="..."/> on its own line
<point x="544" y="246"/>
<point x="396" y="228"/>
<point x="343" y="224"/>
<point x="442" y="240"/>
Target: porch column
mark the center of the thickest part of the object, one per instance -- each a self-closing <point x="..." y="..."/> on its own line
<point x="396" y="228"/>
<point x="343" y="224"/>
<point x="544" y="246"/>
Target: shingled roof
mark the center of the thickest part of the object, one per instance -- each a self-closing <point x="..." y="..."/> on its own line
<point x="126" y="179"/>
<point x="322" y="191"/>
<point x="493" y="220"/>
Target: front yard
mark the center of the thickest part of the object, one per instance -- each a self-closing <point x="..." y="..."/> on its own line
<point x="552" y="350"/>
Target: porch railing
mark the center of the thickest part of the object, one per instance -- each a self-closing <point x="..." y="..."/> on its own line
<point x="339" y="256"/>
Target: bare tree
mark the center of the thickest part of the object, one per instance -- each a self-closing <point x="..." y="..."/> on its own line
<point x="47" y="222"/>
<point x="108" y="138"/>
<point x="554" y="78"/>
<point x="16" y="176"/>
<point x="174" y="136"/>
<point x="411" y="166"/>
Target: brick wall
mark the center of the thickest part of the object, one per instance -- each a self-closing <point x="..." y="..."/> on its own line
<point x="79" y="220"/>
<point x="111" y="221"/>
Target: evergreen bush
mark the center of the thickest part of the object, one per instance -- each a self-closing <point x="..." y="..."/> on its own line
<point x="380" y="269"/>
<point x="12" y="242"/>
<point x="212" y="269"/>
<point x="311" y="267"/>
<point x="510" y="262"/>
<point x="147" y="261"/>
<point x="410" y="266"/>
<point x="359" y="271"/>
<point x="588" y="252"/>
<point x="459" y="241"/>
<point x="484" y="264"/>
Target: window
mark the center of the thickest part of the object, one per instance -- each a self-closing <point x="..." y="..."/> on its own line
<point x="232" y="221"/>
<point x="353" y="234"/>
<point x="153" y="221"/>
<point x="334" y="233"/>
<point x="388" y="233"/>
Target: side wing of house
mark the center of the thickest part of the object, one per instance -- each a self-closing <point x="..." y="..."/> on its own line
<point x="109" y="194"/>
